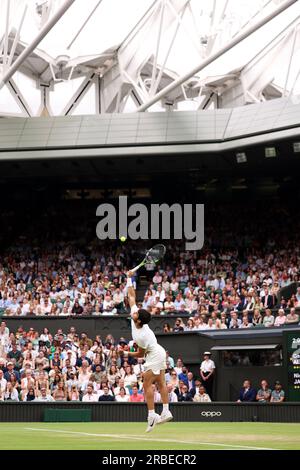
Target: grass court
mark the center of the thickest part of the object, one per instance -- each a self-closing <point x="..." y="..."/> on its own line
<point x="132" y="436"/>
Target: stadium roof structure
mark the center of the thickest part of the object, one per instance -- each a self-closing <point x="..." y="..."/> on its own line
<point x="68" y="57"/>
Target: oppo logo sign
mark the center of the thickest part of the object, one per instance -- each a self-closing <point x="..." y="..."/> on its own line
<point x="211" y="414"/>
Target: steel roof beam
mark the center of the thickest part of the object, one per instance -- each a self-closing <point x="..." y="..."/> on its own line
<point x="29" y="49"/>
<point x="180" y="80"/>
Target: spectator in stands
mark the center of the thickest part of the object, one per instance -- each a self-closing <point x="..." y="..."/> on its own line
<point x="179" y="365"/>
<point x="202" y="396"/>
<point x="170" y="359"/>
<point x="169" y="305"/>
<point x="90" y="394"/>
<point x="41" y="359"/>
<point x="190" y="325"/>
<point x="156" y="394"/>
<point x="112" y="374"/>
<point x="183" y="394"/>
<point x="84" y="373"/>
<point x="56" y="361"/>
<point x="30" y="395"/>
<point x="73" y="393"/>
<point x="224" y="321"/>
<point x="183" y="375"/>
<point x="268" y="320"/>
<point x="247" y="393"/>
<point x="135" y="396"/>
<point x="117" y="388"/>
<point x="267" y="300"/>
<point x="298" y="296"/>
<point x="118" y="299"/>
<point x="4" y="330"/>
<point x="99" y="372"/>
<point x="42" y="381"/>
<point x="27" y="382"/>
<point x="77" y="308"/>
<point x="292" y="318"/>
<point x="138" y="369"/>
<point x="190" y="382"/>
<point x="44" y="396"/>
<point x="11" y="392"/>
<point x="179" y="325"/>
<point x="245" y="323"/>
<point x="157" y="279"/>
<point x="210" y="324"/>
<point x="199" y="324"/>
<point x="179" y="304"/>
<point x="235" y="322"/>
<point x="257" y="319"/>
<point x="86" y="341"/>
<point x="220" y="326"/>
<point x="15" y="354"/>
<point x="278" y="394"/>
<point x="156" y="306"/>
<point x="196" y="389"/>
<point x="250" y="303"/>
<point x="173" y="379"/>
<point x="3" y="381"/>
<point x="55" y="378"/>
<point x="106" y="395"/>
<point x="172" y="395"/>
<point x="130" y="378"/>
<point x="60" y="393"/>
<point x="167" y="328"/>
<point x="122" y="396"/>
<point x="281" y="318"/>
<point x="264" y="393"/>
<point x="11" y="372"/>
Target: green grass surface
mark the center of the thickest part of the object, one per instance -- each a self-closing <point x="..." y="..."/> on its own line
<point x="127" y="436"/>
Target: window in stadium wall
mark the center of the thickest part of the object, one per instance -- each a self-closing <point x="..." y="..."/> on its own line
<point x="248" y="358"/>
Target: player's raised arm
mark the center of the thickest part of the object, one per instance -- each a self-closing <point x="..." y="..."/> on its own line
<point x="130" y="290"/>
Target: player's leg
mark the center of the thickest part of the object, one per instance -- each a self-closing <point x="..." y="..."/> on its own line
<point x="153" y="418"/>
<point x="161" y="383"/>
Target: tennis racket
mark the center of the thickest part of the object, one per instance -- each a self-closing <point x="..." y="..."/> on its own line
<point x="153" y="256"/>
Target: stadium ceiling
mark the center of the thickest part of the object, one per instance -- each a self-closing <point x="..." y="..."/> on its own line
<point x="64" y="57"/>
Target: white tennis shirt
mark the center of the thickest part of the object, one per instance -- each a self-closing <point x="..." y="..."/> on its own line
<point x="143" y="337"/>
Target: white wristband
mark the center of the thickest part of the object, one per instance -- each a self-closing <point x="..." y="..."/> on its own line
<point x="125" y="354"/>
<point x="129" y="282"/>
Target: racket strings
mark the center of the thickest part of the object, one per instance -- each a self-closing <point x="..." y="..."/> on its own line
<point x="156" y="253"/>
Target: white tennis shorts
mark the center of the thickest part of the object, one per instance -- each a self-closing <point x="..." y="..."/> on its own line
<point x="156" y="360"/>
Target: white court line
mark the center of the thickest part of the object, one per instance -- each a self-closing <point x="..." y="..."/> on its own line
<point x="139" y="438"/>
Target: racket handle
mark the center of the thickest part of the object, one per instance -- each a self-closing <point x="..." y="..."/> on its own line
<point x="133" y="270"/>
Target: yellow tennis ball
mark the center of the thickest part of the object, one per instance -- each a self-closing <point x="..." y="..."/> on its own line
<point x="123" y="239"/>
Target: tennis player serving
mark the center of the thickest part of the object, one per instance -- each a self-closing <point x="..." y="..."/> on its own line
<point x="154" y="354"/>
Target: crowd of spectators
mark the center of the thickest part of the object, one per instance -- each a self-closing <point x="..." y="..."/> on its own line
<point x="235" y="281"/>
<point x="201" y="285"/>
<point x="62" y="280"/>
<point x="264" y="394"/>
<point x="234" y="320"/>
<point x="73" y="367"/>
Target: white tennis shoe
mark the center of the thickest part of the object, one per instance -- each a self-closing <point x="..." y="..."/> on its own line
<point x="165" y="417"/>
<point x="152" y="422"/>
